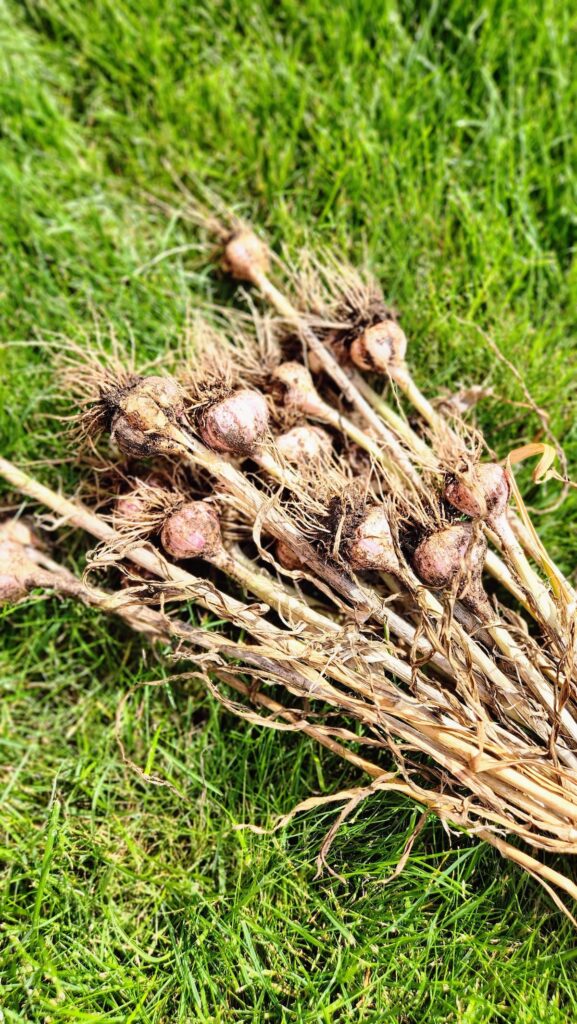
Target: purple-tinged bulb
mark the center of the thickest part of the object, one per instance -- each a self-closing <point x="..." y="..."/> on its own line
<point x="304" y="444"/>
<point x="380" y="347"/>
<point x="371" y="546"/>
<point x="446" y="553"/>
<point x="192" y="531"/>
<point x="481" y="493"/>
<point x="237" y="424"/>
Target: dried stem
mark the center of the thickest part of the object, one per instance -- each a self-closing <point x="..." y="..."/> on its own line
<point x="221" y="604"/>
<point x="374" y="410"/>
<point x="157" y="624"/>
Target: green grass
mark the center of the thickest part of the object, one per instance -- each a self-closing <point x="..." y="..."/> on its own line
<point x="438" y="141"/>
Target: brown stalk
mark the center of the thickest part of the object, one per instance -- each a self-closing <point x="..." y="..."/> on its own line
<point x="443" y="742"/>
<point x="298" y="380"/>
<point x="253" y="503"/>
<point x="157" y="624"/>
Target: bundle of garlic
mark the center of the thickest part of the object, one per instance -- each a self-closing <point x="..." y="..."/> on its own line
<point x="354" y="555"/>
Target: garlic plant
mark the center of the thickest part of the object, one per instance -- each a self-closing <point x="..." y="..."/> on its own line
<point x="353" y="554"/>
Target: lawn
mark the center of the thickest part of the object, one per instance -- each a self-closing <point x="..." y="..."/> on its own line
<point x="436" y="142"/>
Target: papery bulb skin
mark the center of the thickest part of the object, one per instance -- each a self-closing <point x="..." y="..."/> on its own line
<point x="237" y="424"/>
<point x="126" y="438"/>
<point x="245" y="256"/>
<point x="165" y="391"/>
<point x="300" y="391"/>
<point x="371" y="545"/>
<point x="304" y="444"/>
<point x="286" y="557"/>
<point x="151" y="405"/>
<point x="144" y="413"/>
<point x="379" y="348"/>
<point x="481" y="493"/>
<point x="439" y="557"/>
<point x="138" y="442"/>
<point x="455" y="553"/>
<point x="192" y="531"/>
